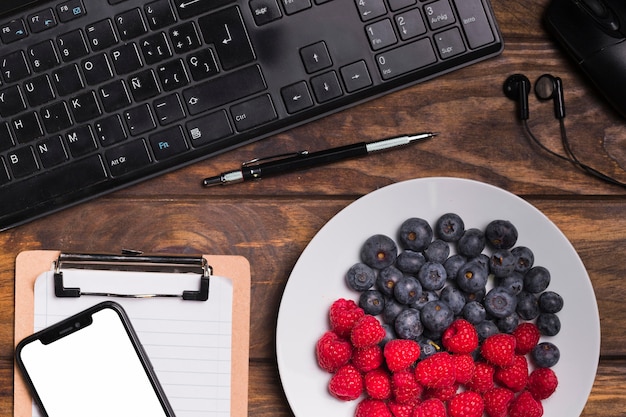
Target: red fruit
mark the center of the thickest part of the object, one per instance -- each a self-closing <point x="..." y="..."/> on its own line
<point x="405" y="388"/>
<point x="444" y="394"/>
<point x="463" y="368"/>
<point x="401" y="410"/>
<point x="460" y="337"/>
<point x="332" y="351"/>
<point x="430" y="408"/>
<point x="367" y="331"/>
<point x="346" y="384"/>
<point x="372" y="408"/>
<point x="542" y="383"/>
<point x="466" y="404"/>
<point x="514" y="377"/>
<point x="525" y="406"/>
<point x="401" y="354"/>
<point x="499" y="349"/>
<point x="482" y="380"/>
<point x="526" y="337"/>
<point x="497" y="401"/>
<point x="436" y="371"/>
<point x="378" y="384"/>
<point x="343" y="315"/>
<point x="367" y="358"/>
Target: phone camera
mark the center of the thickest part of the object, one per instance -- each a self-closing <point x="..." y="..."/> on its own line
<point x="77" y="325"/>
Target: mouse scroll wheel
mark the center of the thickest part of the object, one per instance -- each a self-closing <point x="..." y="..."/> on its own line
<point x="598" y="8"/>
<point x="601" y="13"/>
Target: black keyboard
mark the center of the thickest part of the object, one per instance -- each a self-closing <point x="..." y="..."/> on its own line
<point x="96" y="95"/>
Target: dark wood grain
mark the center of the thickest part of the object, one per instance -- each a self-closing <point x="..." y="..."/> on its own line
<point x="270" y="222"/>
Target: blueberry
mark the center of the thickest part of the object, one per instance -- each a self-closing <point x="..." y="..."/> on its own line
<point x="527" y="305"/>
<point x="454" y="298"/>
<point x="428" y="348"/>
<point x="372" y="302"/>
<point x="502" y="263"/>
<point x="390" y="334"/>
<point x="525" y="258"/>
<point x="425" y="298"/>
<point x="407" y="290"/>
<point x="514" y="283"/>
<point x="415" y="234"/>
<point x="360" y="277"/>
<point x="545" y="355"/>
<point x="550" y="302"/>
<point x="508" y="324"/>
<point x="391" y="310"/>
<point x="536" y="279"/>
<point x="472" y="243"/>
<point x="379" y="251"/>
<point x="501" y="234"/>
<point x="410" y="261"/>
<point x="432" y="276"/>
<point x="548" y="324"/>
<point x="485" y="329"/>
<point x="482" y="259"/>
<point x="408" y="324"/>
<point x="437" y="316"/>
<point x="449" y="227"/>
<point x="437" y="251"/>
<point x="474" y="312"/>
<point x="499" y="302"/>
<point x="472" y="277"/>
<point x="387" y="279"/>
<point x="453" y="264"/>
<point x="478" y="296"/>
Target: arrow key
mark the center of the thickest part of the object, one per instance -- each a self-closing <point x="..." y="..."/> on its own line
<point x="296" y="97"/>
<point x="315" y="57"/>
<point x="355" y="76"/>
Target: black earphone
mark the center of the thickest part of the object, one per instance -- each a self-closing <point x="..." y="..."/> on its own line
<point x="548" y="87"/>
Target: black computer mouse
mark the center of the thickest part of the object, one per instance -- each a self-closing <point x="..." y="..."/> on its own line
<point x="593" y="32"/>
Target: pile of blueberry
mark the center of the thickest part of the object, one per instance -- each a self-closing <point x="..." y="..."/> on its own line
<point x="418" y="287"/>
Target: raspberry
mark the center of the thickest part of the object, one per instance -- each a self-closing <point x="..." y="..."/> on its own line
<point x="514" y="377"/>
<point x="444" y="394"/>
<point x="525" y="406"/>
<point x="401" y="354"/>
<point x="499" y="349"/>
<point x="346" y="384"/>
<point x="460" y="337"/>
<point x="482" y="380"/>
<point x="436" y="371"/>
<point x="343" y="315"/>
<point x="497" y="401"/>
<point x="367" y="358"/>
<point x="401" y="410"/>
<point x="430" y="408"/>
<point x="526" y="337"/>
<point x="466" y="404"/>
<point x="367" y="331"/>
<point x="463" y="368"/>
<point x="372" y="408"/>
<point x="332" y="351"/>
<point x="405" y="388"/>
<point x="542" y="383"/>
<point x="378" y="384"/>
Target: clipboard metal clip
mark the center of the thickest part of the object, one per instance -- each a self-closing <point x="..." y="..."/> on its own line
<point x="133" y="261"/>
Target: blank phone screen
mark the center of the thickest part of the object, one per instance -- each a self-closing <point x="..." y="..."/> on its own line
<point x="93" y="371"/>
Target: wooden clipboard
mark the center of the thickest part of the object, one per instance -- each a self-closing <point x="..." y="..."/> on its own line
<point x="31" y="264"/>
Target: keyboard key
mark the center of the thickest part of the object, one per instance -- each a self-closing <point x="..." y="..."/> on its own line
<point x="190" y="8"/>
<point x="126" y="158"/>
<point x="139" y="120"/>
<point x="225" y="29"/>
<point x="400" y="4"/>
<point x="67" y="80"/>
<point x="410" y="24"/>
<point x="14" y="67"/>
<point x="4" y="173"/>
<point x="253" y="113"/>
<point x="144" y="85"/>
<point x="13" y="31"/>
<point x="70" y="10"/>
<point x="439" y="14"/>
<point x="406" y="58"/>
<point x="11" y="101"/>
<point x="356" y="76"/>
<point x="51" y="151"/>
<point x="97" y="69"/>
<point x="168" y="143"/>
<point x="6" y="138"/>
<point x="295" y="6"/>
<point x="38" y="90"/>
<point x="130" y="24"/>
<point x="209" y="129"/>
<point x="169" y="109"/>
<point x="326" y="87"/>
<point x="202" y="64"/>
<point x="72" y="45"/>
<point x="81" y="140"/>
<point x="449" y="43"/>
<point x="42" y="20"/>
<point x="159" y="14"/>
<point x="101" y="35"/>
<point x="43" y="56"/>
<point x="27" y="127"/>
<point x="85" y="106"/>
<point x="126" y="59"/>
<point x="172" y="75"/>
<point x="184" y="38"/>
<point x="223" y="90"/>
<point x="265" y="11"/>
<point x="370" y="9"/>
<point x="110" y="130"/>
<point x="155" y="48"/>
<point x="296" y="97"/>
<point x="22" y="162"/>
<point x="315" y="57"/>
<point x="381" y="34"/>
<point x="56" y="117"/>
<point x="475" y="23"/>
<point x="114" y="96"/>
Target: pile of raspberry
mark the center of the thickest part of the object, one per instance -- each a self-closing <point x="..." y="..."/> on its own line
<point x="464" y="378"/>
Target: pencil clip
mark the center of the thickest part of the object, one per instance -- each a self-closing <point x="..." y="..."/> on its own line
<point x="257" y="161"/>
<point x="133" y="261"/>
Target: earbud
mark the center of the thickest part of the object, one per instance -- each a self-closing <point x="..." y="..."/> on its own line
<point x="549" y="87"/>
<point x="517" y="87"/>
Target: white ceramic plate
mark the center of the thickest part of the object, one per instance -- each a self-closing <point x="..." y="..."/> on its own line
<point x="318" y="279"/>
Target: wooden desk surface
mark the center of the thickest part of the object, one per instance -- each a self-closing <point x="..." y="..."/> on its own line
<point x="270" y="222"/>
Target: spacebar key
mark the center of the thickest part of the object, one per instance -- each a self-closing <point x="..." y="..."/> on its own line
<point x="225" y="89"/>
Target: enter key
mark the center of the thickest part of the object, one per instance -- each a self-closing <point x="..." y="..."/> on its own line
<point x="475" y="23"/>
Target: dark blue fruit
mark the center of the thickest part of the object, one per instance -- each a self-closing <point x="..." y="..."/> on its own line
<point x="485" y="329"/>
<point x="360" y="277"/>
<point x="508" y="324"/>
<point x="379" y="251"/>
<point x="454" y="298"/>
<point x="427" y="348"/>
<point x="501" y="234"/>
<point x="425" y="298"/>
<point x="387" y="279"/>
<point x="527" y="305"/>
<point x="391" y="310"/>
<point x="502" y="263"/>
<point x="432" y="276"/>
<point x="453" y="264"/>
<point x="449" y="227"/>
<point x="472" y="243"/>
<point x="514" y="283"/>
<point x="472" y="277"/>
<point x="407" y="290"/>
<point x="536" y="279"/>
<point x="437" y="251"/>
<point x="410" y="261"/>
<point x="372" y="302"/>
<point x="550" y="302"/>
<point x="408" y="324"/>
<point x="525" y="258"/>
<point x="415" y="234"/>
<point x="499" y="302"/>
<point x="548" y="324"/>
<point x="545" y="355"/>
<point x="474" y="312"/>
<point x="390" y="334"/>
<point x="437" y="316"/>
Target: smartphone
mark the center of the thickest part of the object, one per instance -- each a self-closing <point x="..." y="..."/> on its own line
<point x="91" y="364"/>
